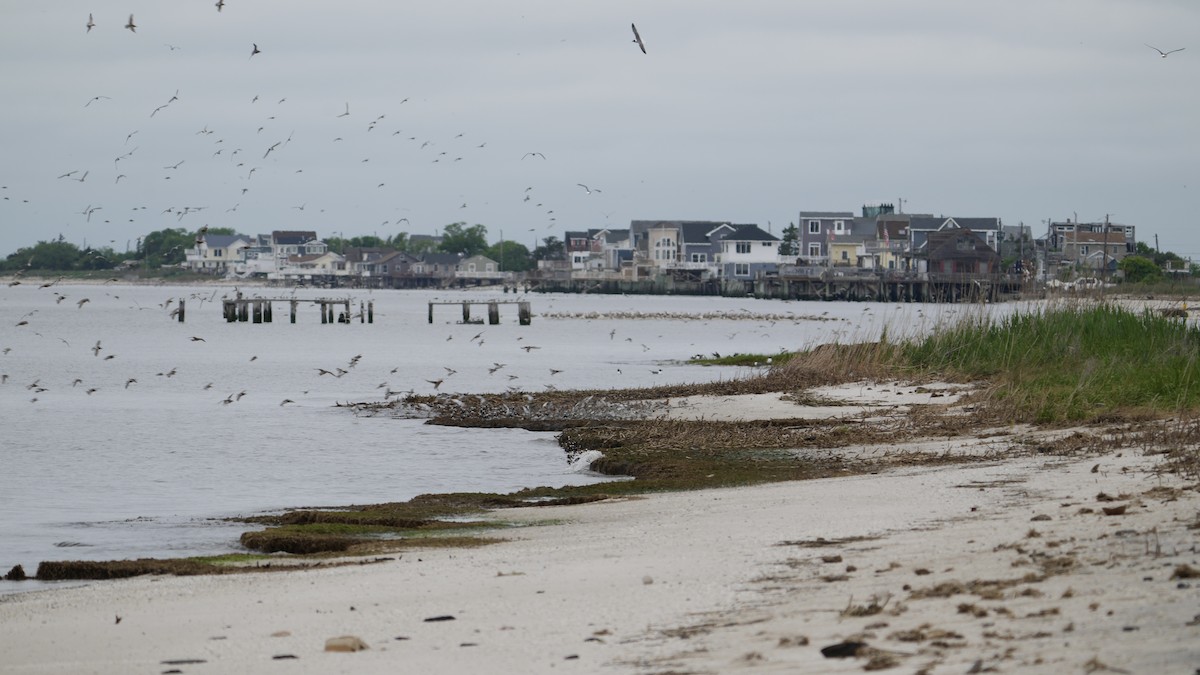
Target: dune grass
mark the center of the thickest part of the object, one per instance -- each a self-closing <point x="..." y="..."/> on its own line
<point x="1065" y="363"/>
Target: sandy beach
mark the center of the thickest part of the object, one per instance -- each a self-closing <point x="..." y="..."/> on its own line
<point x="1006" y="563"/>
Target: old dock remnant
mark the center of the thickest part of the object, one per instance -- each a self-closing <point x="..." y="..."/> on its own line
<point x="524" y="314"/>
<point x="258" y="310"/>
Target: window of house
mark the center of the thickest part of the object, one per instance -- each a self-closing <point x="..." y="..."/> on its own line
<point x="491" y="267"/>
<point x="217" y="253"/>
<point x="1083" y="250"/>
<point x="845" y="255"/>
<point x="743" y="247"/>
<point x="699" y="257"/>
<point x="471" y="267"/>
<point x="741" y="269"/>
<point x="964" y="244"/>
<point x="768" y="244"/>
<point x="814" y="227"/>
<point x="814" y="250"/>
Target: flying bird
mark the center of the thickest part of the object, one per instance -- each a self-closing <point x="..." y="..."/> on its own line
<point x="81" y="302"/>
<point x="638" y="38"/>
<point x="90" y="24"/>
<point x="220" y="4"/>
<point x="347" y="110"/>
<point x="1166" y="53"/>
<point x="94" y="99"/>
<point x="131" y="25"/>
<point x="533" y="154"/>
<point x="586" y="189"/>
<point x="255" y="50"/>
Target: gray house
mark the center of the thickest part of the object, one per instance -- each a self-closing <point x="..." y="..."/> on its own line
<point x="818" y="230"/>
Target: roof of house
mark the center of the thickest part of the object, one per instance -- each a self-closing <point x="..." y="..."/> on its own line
<point x="826" y="214"/>
<point x="479" y="257"/>
<point x="390" y="256"/>
<point x="697" y="231"/>
<point x="442" y="258"/>
<point x="289" y="237"/>
<point x="750" y="232"/>
<point x="609" y="234"/>
<point x="365" y="253"/>
<point x="979" y="224"/>
<point x="944" y="245"/>
<point x="224" y="240"/>
<point x="310" y="257"/>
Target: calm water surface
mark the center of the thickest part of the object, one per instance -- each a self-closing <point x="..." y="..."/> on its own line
<point x="98" y="467"/>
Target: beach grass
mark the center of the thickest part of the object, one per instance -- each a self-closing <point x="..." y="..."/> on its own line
<point x="1067" y="363"/>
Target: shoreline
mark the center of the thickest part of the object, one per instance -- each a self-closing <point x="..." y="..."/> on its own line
<point x="1008" y="562"/>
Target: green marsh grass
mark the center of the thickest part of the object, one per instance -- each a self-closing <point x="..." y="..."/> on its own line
<point x="1060" y="364"/>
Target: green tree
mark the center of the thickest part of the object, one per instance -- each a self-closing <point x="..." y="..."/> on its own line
<point x="790" y="245"/>
<point x="513" y="257"/>
<point x="54" y="255"/>
<point x="1139" y="269"/>
<point x="457" y="238"/>
<point x="552" y="248"/>
<point x="367" y="241"/>
<point x="166" y="247"/>
<point x="398" y="241"/>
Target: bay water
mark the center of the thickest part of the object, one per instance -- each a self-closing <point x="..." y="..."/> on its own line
<point x="118" y="441"/>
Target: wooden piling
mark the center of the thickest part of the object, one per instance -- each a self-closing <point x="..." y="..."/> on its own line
<point x="493" y="313"/>
<point x="466" y="312"/>
<point x="524" y="314"/>
<point x="347" y="305"/>
<point x="431" y="312"/>
<point x="243" y="311"/>
<point x="371" y="311"/>
<point x="181" y="310"/>
<point x="362" y="312"/>
<point x="329" y="306"/>
<point x="257" y="311"/>
<point x="324" y="316"/>
<point x="267" y="311"/>
<point x="227" y="311"/>
<point x="293" y="308"/>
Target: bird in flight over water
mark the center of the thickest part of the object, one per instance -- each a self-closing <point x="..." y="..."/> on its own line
<point x="1166" y="53"/>
<point x="638" y="38"/>
<point x="131" y="25"/>
<point x="90" y="24"/>
<point x="254" y="51"/>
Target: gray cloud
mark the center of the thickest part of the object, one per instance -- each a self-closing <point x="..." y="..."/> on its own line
<point x="749" y="111"/>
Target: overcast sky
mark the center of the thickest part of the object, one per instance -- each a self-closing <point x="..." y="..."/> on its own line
<point x="750" y="112"/>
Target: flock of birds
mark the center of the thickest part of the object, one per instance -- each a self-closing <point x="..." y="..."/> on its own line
<point x="241" y="156"/>
<point x="523" y="366"/>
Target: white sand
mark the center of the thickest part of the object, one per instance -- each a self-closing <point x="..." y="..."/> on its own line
<point x="700" y="582"/>
<point x="860" y="400"/>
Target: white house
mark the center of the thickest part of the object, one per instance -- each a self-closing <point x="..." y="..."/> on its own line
<point x="217" y="253"/>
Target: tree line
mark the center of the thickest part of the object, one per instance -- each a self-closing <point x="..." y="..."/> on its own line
<point x="169" y="246"/>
